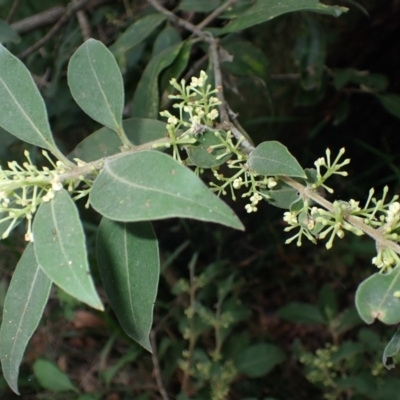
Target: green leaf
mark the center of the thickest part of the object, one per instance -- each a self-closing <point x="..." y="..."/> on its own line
<point x="103" y="143"/>
<point x="375" y="298"/>
<point x="259" y="359"/>
<point x="273" y="158"/>
<point x="282" y="195"/>
<point x="145" y="102"/>
<point x="310" y="54"/>
<point x="247" y="59"/>
<point x="22" y="112"/>
<point x="376" y="82"/>
<point x="135" y="34"/>
<point x="169" y="36"/>
<point x="327" y="301"/>
<point x="129" y="266"/>
<point x="96" y="84"/>
<point x="51" y="378"/>
<point x="301" y="313"/>
<point x="150" y="185"/>
<point x="391" y="349"/>
<point x="61" y="250"/>
<point x="202" y="155"/>
<point x="8" y="34"/>
<point x="391" y="102"/>
<point x="265" y="10"/>
<point x="199" y="5"/>
<point x="24" y="304"/>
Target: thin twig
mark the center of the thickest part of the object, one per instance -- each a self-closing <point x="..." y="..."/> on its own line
<point x="73" y="8"/>
<point x="215" y="14"/>
<point x="13" y="10"/>
<point x="84" y="24"/>
<point x="156" y="365"/>
<point x="179" y="21"/>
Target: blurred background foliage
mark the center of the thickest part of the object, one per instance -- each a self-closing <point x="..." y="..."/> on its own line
<point x="238" y="315"/>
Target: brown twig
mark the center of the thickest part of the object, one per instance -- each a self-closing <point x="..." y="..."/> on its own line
<point x="13" y="10"/>
<point x="73" y="8"/>
<point x="84" y="24"/>
<point x="156" y="365"/>
<point x="215" y="14"/>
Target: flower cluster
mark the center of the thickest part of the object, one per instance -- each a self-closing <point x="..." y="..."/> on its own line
<point x="24" y="188"/>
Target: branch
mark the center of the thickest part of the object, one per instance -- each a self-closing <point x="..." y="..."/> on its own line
<point x="156" y="365"/>
<point x="215" y="14"/>
<point x="73" y="8"/>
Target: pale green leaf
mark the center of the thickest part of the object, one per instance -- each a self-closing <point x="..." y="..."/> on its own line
<point x="265" y="10"/>
<point x="145" y="102"/>
<point x="129" y="266"/>
<point x="375" y="298"/>
<point x="61" y="250"/>
<point x="136" y="33"/>
<point x="103" y="143"/>
<point x="273" y="158"/>
<point x="24" y="304"/>
<point x="22" y="111"/>
<point x="391" y="349"/>
<point x="96" y="84"/>
<point x="259" y="359"/>
<point x="301" y="313"/>
<point x="8" y="34"/>
<point x="51" y="378"/>
<point x="391" y="102"/>
<point x="150" y="185"/>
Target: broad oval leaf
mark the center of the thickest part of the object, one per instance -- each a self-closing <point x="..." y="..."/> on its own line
<point x="150" y="185"/>
<point x="22" y="112"/>
<point x="375" y="298"/>
<point x="273" y="158"/>
<point x="26" y="298"/>
<point x="51" y="378"/>
<point x="259" y="359"/>
<point x="145" y="102"/>
<point x="282" y="195"/>
<point x="266" y="10"/>
<point x="61" y="250"/>
<point x="301" y="313"/>
<point x="96" y="84"/>
<point x="203" y="155"/>
<point x="103" y="143"/>
<point x="129" y="266"/>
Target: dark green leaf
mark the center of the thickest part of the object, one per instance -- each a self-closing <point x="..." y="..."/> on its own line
<point x="61" y="250"/>
<point x="129" y="266"/>
<point x="51" y="378"/>
<point x="391" y="349"/>
<point x="273" y="158"/>
<point x="22" y="112"/>
<point x="310" y="53"/>
<point x="145" y="102"/>
<point x="24" y="304"/>
<point x="103" y="143"/>
<point x="282" y="195"/>
<point x="375" y="298"/>
<point x="345" y="76"/>
<point x="259" y="359"/>
<point x="203" y="155"/>
<point x="327" y="301"/>
<point x="247" y="59"/>
<point x="136" y="33"/>
<point x="341" y="111"/>
<point x="391" y="102"/>
<point x="96" y="84"/>
<point x="150" y="185"/>
<point x="169" y="36"/>
<point x="8" y="34"/>
<point x="199" y="5"/>
<point x="265" y="10"/>
<point x="301" y="313"/>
